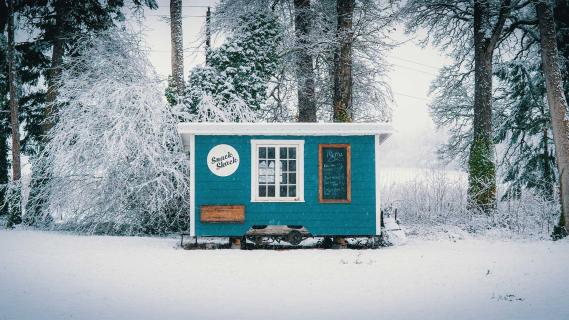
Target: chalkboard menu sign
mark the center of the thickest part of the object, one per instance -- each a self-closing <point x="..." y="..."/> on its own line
<point x="334" y="173"/>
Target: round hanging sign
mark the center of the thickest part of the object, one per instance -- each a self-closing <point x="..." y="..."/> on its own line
<point x="223" y="160"/>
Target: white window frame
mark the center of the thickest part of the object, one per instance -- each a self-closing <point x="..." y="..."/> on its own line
<point x="299" y="144"/>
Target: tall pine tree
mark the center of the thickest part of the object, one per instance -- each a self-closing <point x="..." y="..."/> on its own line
<point x="238" y="72"/>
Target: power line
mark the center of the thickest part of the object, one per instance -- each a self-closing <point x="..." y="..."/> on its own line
<point x="414" y="69"/>
<point x="410" y="96"/>
<point x="183" y="17"/>
<point x="167" y="7"/>
<point x="417" y="63"/>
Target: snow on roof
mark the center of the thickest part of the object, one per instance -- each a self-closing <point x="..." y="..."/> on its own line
<point x="284" y="129"/>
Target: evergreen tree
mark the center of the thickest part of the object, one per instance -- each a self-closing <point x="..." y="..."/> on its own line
<point x="524" y="126"/>
<point x="171" y="92"/>
<point x="54" y="25"/>
<point x="238" y="72"/>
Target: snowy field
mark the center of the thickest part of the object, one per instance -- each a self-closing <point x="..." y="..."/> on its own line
<point x="47" y="275"/>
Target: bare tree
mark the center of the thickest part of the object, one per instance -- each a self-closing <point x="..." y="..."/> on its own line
<point x="177" y="56"/>
<point x="305" y="69"/>
<point x="342" y="101"/>
<point x="556" y="100"/>
<point x="15" y="214"/>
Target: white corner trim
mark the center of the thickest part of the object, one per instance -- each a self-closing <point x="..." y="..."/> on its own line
<point x="299" y="144"/>
<point x="286" y="129"/>
<point x="377" y="199"/>
<point x="193" y="214"/>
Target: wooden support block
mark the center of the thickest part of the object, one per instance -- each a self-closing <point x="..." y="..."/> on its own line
<point x="222" y="214"/>
<point x="235" y="243"/>
<point x="341" y="242"/>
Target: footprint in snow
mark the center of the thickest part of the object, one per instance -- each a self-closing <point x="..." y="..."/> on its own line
<point x="507" y="297"/>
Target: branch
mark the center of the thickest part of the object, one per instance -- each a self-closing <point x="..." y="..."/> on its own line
<point x="505" y="9"/>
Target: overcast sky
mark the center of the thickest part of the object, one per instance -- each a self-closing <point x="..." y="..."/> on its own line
<point x="414" y="68"/>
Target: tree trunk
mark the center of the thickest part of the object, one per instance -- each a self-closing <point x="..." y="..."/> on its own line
<point x="342" y="102"/>
<point x="55" y="70"/>
<point x="548" y="184"/>
<point x="304" y="63"/>
<point x="3" y="15"/>
<point x="16" y="213"/>
<point x="482" y="170"/>
<point x="177" y="56"/>
<point x="4" y="165"/>
<point x="556" y="99"/>
<point x="481" y="165"/>
<point x="207" y="33"/>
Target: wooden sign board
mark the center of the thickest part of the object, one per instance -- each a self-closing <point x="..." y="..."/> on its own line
<point x="222" y="214"/>
<point x="334" y="173"/>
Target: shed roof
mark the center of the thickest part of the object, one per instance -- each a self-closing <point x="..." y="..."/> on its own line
<point x="384" y="130"/>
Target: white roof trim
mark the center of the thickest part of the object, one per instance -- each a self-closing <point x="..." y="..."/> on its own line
<point x="286" y="129"/>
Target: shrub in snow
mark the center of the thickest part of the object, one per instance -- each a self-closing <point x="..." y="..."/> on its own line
<point x="114" y="162"/>
<point x="233" y="84"/>
<point x="436" y="200"/>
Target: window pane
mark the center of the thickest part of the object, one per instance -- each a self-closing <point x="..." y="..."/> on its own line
<point x="269" y="157"/>
<point x="270" y="172"/>
<point x="292" y="153"/>
<point x="262" y="164"/>
<point x="284" y="166"/>
<point x="283" y="191"/>
<point x="271" y="179"/>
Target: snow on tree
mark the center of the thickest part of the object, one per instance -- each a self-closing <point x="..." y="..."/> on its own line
<point x="233" y="85"/>
<point x="523" y="123"/>
<point x="114" y="162"/>
<point x="520" y="114"/>
<point x="15" y="210"/>
<point x="557" y="103"/>
<point x="472" y="32"/>
<point x="372" y="22"/>
<point x="304" y="62"/>
<point x="4" y="126"/>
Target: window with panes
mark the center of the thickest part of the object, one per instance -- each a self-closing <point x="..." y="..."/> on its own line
<point x="277" y="174"/>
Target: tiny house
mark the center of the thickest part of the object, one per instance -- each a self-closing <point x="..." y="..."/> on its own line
<point x="301" y="179"/>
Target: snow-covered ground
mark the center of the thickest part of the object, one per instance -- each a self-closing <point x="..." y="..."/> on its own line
<point x="48" y="275"/>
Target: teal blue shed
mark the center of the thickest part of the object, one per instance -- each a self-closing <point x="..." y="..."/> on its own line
<point x="321" y="177"/>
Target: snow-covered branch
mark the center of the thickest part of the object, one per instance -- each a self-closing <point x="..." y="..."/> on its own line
<point x="114" y="162"/>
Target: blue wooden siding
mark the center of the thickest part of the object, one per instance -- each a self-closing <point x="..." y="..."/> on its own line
<point x="355" y="218"/>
